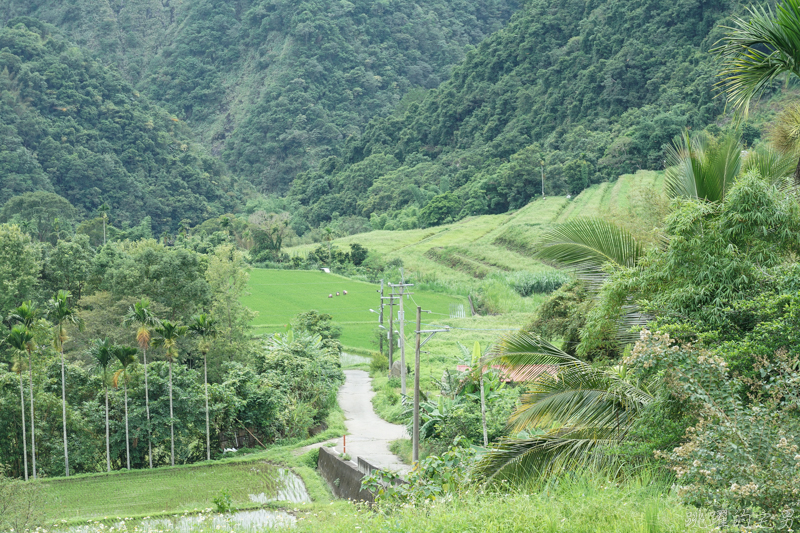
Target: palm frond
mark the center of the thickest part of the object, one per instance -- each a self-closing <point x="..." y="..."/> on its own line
<point x="757" y="50"/>
<point x="589" y="245"/>
<point x="584" y="408"/>
<point x="27" y="314"/>
<point x="772" y="164"/>
<point x="19" y="337"/>
<point x="579" y="397"/>
<point x="702" y="167"/>
<point x="103" y="352"/>
<point x="203" y="325"/>
<point x="126" y="355"/>
<point x="543" y="456"/>
<point x="631" y="318"/>
<point x="523" y="348"/>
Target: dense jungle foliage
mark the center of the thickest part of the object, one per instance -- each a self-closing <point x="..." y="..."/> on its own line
<point x="273" y="86"/>
<point x="572" y="92"/>
<point x="261" y="390"/>
<point x="352" y="109"/>
<point x="72" y="126"/>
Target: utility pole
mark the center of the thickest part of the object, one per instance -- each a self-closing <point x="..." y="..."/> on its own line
<point x="401" y="317"/>
<point x="415" y="431"/>
<point x="380" y="321"/>
<point x="391" y="334"/>
<point x="542" y="163"/>
<point x="415" y="434"/>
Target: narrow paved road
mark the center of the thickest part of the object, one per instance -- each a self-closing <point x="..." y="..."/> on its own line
<point x="369" y="434"/>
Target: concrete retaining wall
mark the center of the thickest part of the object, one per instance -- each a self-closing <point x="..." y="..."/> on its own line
<point x="343" y="477"/>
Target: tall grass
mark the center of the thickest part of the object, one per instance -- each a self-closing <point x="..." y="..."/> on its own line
<point x="527" y="283"/>
<point x="584" y="502"/>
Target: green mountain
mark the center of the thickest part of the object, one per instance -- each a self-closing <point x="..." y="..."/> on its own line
<point x="274" y="86"/>
<point x="571" y="93"/>
<point x="72" y="126"/>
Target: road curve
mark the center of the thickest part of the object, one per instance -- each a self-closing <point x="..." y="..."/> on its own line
<point x="368" y="434"/>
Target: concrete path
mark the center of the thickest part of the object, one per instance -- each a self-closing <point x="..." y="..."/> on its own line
<point x="369" y="434"/>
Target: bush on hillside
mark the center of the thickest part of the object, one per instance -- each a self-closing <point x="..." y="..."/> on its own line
<point x="738" y="455"/>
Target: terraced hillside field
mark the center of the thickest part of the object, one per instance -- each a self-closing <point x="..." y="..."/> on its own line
<point x="476" y="247"/>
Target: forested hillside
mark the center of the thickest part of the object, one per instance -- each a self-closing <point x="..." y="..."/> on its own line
<point x="72" y="126"/>
<point x="273" y="86"/>
<point x="582" y="90"/>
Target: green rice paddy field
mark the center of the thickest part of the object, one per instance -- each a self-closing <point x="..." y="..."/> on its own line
<point x="149" y="492"/>
<point x="279" y="295"/>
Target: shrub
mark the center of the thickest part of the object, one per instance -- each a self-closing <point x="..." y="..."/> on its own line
<point x="223" y="501"/>
<point x="436" y="478"/>
<point x="21" y="505"/>
<point x="740" y="456"/>
<point x="379" y="363"/>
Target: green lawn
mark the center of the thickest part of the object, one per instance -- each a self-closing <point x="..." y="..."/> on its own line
<point x="148" y="492"/>
<point x="279" y="295"/>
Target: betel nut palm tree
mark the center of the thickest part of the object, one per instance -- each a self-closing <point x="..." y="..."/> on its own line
<point x="126" y="355"/>
<point x="60" y="312"/>
<point x="102" y="351"/>
<point x="169" y="334"/>
<point x="758" y="50"/>
<point x="27" y="315"/>
<point x="139" y="315"/>
<point x="205" y="327"/>
<point x="19" y="338"/>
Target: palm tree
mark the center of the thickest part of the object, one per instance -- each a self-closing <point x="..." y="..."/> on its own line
<point x="140" y="316"/>
<point x="702" y="167"/>
<point x="103" y="353"/>
<point x="579" y="411"/>
<point x="19" y="339"/>
<point x="126" y="355"/>
<point x="169" y="334"/>
<point x="103" y="210"/>
<point x="205" y="327"/>
<point x="27" y="314"/>
<point x="328" y="235"/>
<point x="758" y="50"/>
<point x="62" y="314"/>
